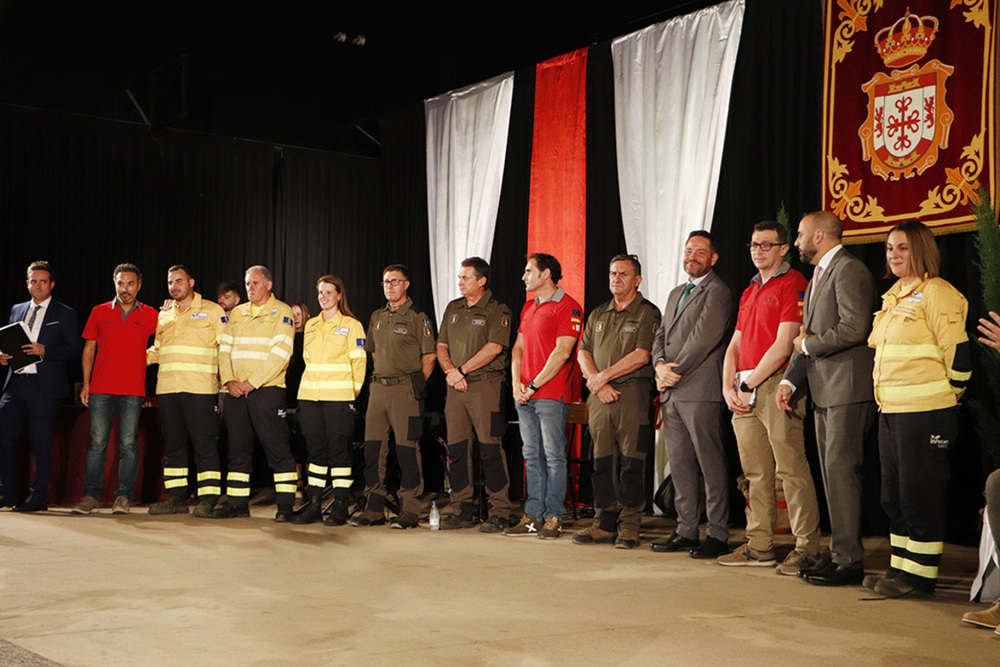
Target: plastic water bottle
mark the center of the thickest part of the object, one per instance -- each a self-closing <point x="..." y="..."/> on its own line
<point x="435" y="518"/>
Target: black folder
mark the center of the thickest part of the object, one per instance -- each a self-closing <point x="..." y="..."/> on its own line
<point x="12" y="337"/>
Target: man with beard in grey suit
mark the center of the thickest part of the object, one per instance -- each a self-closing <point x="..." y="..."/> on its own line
<point x="832" y="357"/>
<point x="688" y="353"/>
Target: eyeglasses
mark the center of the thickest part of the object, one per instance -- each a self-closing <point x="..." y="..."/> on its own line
<point x="765" y="246"/>
<point x="391" y="281"/>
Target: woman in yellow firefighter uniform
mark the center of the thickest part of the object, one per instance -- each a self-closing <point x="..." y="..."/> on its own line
<point x="334" y="351"/>
<point x="922" y="366"/>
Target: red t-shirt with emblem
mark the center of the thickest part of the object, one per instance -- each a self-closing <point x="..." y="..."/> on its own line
<point x="541" y="324"/>
<point x="120" y="366"/>
<point x="762" y="308"/>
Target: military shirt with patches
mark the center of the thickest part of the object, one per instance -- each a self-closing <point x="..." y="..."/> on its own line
<point x="465" y="330"/>
<point x="398" y="339"/>
<point x="612" y="334"/>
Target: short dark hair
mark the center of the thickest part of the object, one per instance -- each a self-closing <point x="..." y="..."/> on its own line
<point x="480" y="266"/>
<point x="621" y="257"/>
<point x="180" y="267"/>
<point x="771" y="225"/>
<point x="925" y="258"/>
<point x="227" y="286"/>
<point x="126" y="267"/>
<point x="262" y="270"/>
<point x="545" y="261"/>
<point x="41" y="265"/>
<point x="401" y="268"/>
<point x="702" y="234"/>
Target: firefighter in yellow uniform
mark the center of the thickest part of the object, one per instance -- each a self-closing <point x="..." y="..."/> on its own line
<point x="187" y="386"/>
<point x="922" y="366"/>
<point x="334" y="351"/>
<point x="253" y="356"/>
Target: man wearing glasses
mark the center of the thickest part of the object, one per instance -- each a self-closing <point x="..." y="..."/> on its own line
<point x="402" y="346"/>
<point x="769" y="439"/>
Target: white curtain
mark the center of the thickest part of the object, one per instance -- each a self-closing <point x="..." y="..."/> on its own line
<point x="672" y="85"/>
<point x="466" y="146"/>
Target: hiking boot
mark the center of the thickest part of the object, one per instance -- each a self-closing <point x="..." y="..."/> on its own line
<point x="628" y="538"/>
<point x="594" y="535"/>
<point x="897" y="588"/>
<point x="230" y="511"/>
<point x="405" y="520"/>
<point x="121" y="505"/>
<point x="988" y="618"/>
<point x="747" y="557"/>
<point x="169" y="506"/>
<point x="455" y="521"/>
<point x="494" y="524"/>
<point x="795" y="561"/>
<point x="284" y="515"/>
<point x="311" y="513"/>
<point x="369" y="518"/>
<point x="86" y="506"/>
<point x="551" y="530"/>
<point x="526" y="526"/>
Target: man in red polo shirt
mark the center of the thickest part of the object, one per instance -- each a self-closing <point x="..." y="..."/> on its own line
<point x="540" y="372"/>
<point x="114" y="380"/>
<point x="769" y="439"/>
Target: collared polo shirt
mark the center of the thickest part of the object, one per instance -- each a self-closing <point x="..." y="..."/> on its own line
<point x="120" y="365"/>
<point x="398" y="339"/>
<point x="763" y="307"/>
<point x="915" y="336"/>
<point x="542" y="322"/>
<point x="612" y="334"/>
<point x="466" y="329"/>
<point x="186" y="348"/>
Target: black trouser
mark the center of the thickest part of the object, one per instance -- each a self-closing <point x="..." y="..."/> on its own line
<point x="913" y="448"/>
<point x="190" y="418"/>
<point x="258" y="412"/>
<point x="328" y="427"/>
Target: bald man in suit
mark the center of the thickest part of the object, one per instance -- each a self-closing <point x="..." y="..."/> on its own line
<point x="688" y="353"/>
<point x="833" y="359"/>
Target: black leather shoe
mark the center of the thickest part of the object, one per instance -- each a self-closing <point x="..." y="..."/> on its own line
<point x="710" y="548"/>
<point x="32" y="504"/>
<point x="835" y="575"/>
<point x="674" y="543"/>
<point x="7" y="501"/>
<point x="228" y="511"/>
<point x="819" y="565"/>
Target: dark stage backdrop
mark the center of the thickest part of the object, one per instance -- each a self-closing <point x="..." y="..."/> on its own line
<point x="88" y="193"/>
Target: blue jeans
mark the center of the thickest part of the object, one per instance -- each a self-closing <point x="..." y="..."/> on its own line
<point x="102" y="410"/>
<point x="543" y="435"/>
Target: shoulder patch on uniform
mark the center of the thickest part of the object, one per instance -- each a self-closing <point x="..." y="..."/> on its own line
<point x="360" y="342"/>
<point x="454" y="318"/>
<point x="505" y="321"/>
<point x="224" y="319"/>
<point x="286" y="320"/>
<point x="600" y="327"/>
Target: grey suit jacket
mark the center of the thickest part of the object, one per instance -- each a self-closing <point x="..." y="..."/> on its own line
<point x="694" y="338"/>
<point x="838" y="319"/>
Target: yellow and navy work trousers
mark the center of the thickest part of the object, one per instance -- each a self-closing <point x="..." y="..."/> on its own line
<point x="328" y="427"/>
<point x="190" y="418"/>
<point x="913" y="448"/>
<point x="259" y="412"/>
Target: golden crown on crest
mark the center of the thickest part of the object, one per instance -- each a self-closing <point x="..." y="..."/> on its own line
<point x="907" y="40"/>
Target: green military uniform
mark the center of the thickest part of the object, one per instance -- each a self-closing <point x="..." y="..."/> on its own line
<point x="466" y="330"/>
<point x="621" y="431"/>
<point x="397" y="339"/>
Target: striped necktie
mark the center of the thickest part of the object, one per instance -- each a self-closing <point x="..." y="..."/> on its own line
<point x="34" y="315"/>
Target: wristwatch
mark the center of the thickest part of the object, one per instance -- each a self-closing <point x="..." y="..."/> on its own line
<point x="745" y="389"/>
<point x="531" y="385"/>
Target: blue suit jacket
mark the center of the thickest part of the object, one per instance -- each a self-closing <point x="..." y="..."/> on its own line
<point x="60" y="334"/>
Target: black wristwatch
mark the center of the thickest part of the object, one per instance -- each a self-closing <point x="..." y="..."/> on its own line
<point x="531" y="385"/>
<point x="459" y="369"/>
<point x="745" y="389"/>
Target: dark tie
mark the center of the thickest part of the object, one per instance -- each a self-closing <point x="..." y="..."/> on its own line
<point x="687" y="293"/>
<point x="34" y="314"/>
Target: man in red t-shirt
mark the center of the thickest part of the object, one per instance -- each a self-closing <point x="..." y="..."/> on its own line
<point x="540" y="372"/>
<point x="769" y="439"/>
<point x="114" y="380"/>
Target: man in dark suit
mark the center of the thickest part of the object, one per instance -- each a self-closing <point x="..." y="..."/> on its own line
<point x="832" y="357"/>
<point x="687" y="354"/>
<point x="34" y="392"/>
